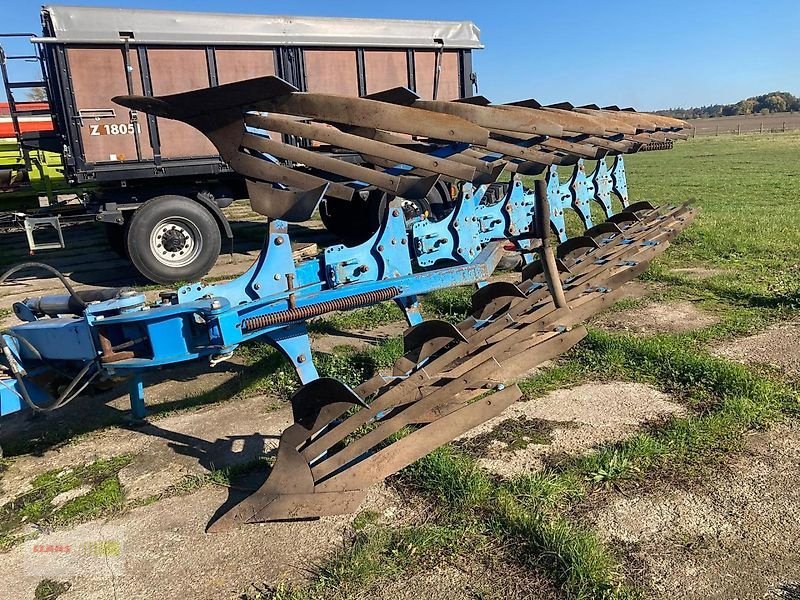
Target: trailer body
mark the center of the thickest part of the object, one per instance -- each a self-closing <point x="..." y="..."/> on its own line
<point x="94" y="54"/>
<point x="121" y="163"/>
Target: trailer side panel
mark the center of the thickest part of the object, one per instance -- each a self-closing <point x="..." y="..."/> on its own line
<point x="174" y="70"/>
<point x="107" y="134"/>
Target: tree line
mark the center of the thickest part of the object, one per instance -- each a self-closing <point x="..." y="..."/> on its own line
<point x="763" y="104"/>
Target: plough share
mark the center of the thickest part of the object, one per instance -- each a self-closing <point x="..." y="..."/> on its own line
<point x="412" y="188"/>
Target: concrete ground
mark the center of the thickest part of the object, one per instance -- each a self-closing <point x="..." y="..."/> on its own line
<point x="731" y="536"/>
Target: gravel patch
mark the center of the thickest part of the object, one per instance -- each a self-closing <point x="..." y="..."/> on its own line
<point x="673" y="317"/>
<point x="777" y="347"/>
<point x="733" y="536"/>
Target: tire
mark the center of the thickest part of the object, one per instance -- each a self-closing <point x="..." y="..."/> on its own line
<point x="173" y="238"/>
<point x="354" y="221"/>
<point x="115" y="236"/>
<point x="439" y="200"/>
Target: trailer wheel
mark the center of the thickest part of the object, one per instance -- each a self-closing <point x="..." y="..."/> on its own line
<point x="173" y="238"/>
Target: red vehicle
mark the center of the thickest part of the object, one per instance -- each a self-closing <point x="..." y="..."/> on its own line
<point x="26" y="124"/>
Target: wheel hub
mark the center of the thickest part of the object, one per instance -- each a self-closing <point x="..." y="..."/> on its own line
<point x="176" y="242"/>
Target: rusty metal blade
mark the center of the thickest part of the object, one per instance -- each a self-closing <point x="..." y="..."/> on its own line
<point x="610" y="124"/>
<point x="267" y="171"/>
<point x="528" y="154"/>
<point x="317" y="160"/>
<point x="488" y="294"/>
<point x="291" y="507"/>
<point x="310" y="399"/>
<point x="495" y="117"/>
<point x="582" y="150"/>
<point x="331" y="135"/>
<point x="419" y="336"/>
<point x="362" y="112"/>
<point x="386" y="427"/>
<point x="294" y="207"/>
<point x="186" y="106"/>
<point x="422" y="441"/>
<point x="569" y="121"/>
<point x="397" y="95"/>
<point x="521" y="362"/>
<point x="615" y="145"/>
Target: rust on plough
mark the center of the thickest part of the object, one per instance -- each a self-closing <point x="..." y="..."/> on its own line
<point x="456" y="386"/>
<point x="422" y="177"/>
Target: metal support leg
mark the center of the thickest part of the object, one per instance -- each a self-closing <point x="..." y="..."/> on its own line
<point x="136" y="392"/>
<point x="410" y="307"/>
<point x="294" y="343"/>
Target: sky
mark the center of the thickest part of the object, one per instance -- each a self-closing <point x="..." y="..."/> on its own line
<point x="646" y="54"/>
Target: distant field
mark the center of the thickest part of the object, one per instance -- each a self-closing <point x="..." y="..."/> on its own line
<point x="772" y="122"/>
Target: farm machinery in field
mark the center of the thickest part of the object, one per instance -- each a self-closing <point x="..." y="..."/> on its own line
<point x="413" y="189"/>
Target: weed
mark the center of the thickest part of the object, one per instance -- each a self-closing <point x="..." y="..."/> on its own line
<point x="48" y="589"/>
<point x="564" y="374"/>
<point x="364" y="519"/>
<point x="373" y="553"/>
<point x="36" y="506"/>
<point x="513" y="434"/>
<point x="450" y="477"/>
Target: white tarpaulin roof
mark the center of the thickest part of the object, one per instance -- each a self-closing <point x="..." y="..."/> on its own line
<point x="88" y="25"/>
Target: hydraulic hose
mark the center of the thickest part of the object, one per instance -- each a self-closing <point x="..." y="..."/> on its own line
<point x="49" y="269"/>
<point x="63" y="399"/>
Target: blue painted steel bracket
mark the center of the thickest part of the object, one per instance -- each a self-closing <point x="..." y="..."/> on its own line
<point x="384" y="256"/>
<point x="581" y="194"/>
<point x="602" y="184"/>
<point x="261" y="280"/>
<point x="455" y="237"/>
<point x="492" y="224"/>
<point x="619" y="180"/>
<point x="558" y="197"/>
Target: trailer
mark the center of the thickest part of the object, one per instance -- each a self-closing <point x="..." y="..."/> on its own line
<point x="159" y="186"/>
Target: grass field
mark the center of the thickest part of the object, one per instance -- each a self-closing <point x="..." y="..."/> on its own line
<point x="772" y="122"/>
<point x="747" y="236"/>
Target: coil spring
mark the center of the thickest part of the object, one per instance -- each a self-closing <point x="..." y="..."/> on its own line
<point x="665" y="145"/>
<point x="303" y="313"/>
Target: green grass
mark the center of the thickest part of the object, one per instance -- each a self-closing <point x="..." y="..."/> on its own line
<point x="103" y="496"/>
<point x="748" y="226"/>
<point x="375" y="552"/>
<point x="48" y="589"/>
